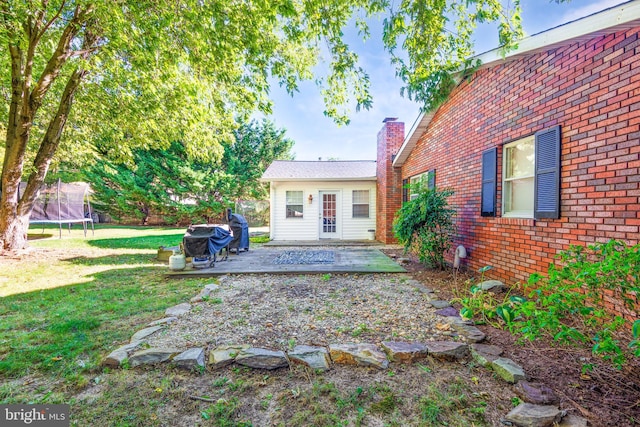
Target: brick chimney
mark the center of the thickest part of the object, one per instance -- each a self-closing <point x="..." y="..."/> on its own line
<point x="389" y="179"/>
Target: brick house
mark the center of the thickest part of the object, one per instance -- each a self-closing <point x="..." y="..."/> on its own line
<point x="542" y="147"/>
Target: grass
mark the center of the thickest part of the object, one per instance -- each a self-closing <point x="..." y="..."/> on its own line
<point x="59" y="317"/>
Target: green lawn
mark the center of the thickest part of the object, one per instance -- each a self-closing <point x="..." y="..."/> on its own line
<point x="70" y="301"/>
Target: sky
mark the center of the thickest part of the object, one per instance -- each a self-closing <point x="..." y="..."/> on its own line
<point x="317" y="136"/>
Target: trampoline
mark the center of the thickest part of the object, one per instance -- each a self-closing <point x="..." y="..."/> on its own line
<point x="62" y="203"/>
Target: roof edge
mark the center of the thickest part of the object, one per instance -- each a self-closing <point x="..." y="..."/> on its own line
<point x="616" y="18"/>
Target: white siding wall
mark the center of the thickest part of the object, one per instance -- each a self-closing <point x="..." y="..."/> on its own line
<point x="308" y="227"/>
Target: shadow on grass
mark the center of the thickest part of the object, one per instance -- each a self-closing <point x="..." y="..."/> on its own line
<point x="140" y="242"/>
<point x="69" y="329"/>
<point x="33" y="236"/>
<point x="118" y="259"/>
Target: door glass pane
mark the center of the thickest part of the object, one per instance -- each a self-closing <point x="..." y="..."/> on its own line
<point x="328" y="213"/>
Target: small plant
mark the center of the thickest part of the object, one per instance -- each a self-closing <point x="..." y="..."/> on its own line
<point x="264" y="403"/>
<point x="326" y="277"/>
<point x="359" y="330"/>
<point x="568" y="303"/>
<point x="483" y="305"/>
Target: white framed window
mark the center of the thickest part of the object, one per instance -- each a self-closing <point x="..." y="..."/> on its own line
<point x="360" y="204"/>
<point x="423" y="180"/>
<point x="294" y="204"/>
<point x="518" y="181"/>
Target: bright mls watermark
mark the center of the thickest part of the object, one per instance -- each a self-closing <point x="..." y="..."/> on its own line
<point x="34" y="415"/>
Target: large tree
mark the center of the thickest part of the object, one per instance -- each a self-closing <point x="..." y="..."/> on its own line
<point x="171" y="184"/>
<point x="146" y="72"/>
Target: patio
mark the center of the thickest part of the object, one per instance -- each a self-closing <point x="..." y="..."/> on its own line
<point x="301" y="258"/>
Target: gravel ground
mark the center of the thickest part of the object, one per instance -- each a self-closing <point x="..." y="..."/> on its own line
<point x="279" y="311"/>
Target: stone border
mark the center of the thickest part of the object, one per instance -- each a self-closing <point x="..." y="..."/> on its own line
<point x="539" y="407"/>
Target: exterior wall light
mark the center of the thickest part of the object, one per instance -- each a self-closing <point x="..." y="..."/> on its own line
<point x="310" y="198"/>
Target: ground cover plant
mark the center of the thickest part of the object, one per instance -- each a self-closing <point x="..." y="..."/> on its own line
<point x="572" y="303"/>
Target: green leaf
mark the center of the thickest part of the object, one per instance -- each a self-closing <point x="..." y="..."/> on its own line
<point x="466" y="313"/>
<point x="516" y="299"/>
<point x="506" y="313"/>
<point x="635" y="329"/>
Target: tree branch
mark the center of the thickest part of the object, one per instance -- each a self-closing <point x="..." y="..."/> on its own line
<point x="53" y="19"/>
<point x="59" y="57"/>
<point x="51" y="139"/>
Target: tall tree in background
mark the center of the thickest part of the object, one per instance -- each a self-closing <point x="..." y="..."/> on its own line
<point x="170" y="184"/>
<point x="141" y="73"/>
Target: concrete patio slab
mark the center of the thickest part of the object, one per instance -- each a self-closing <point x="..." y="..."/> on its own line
<point x="265" y="260"/>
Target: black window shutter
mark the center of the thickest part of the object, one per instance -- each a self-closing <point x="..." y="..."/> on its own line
<point x="489" y="162"/>
<point x="547" y="177"/>
<point x="431" y="177"/>
<point x="405" y="190"/>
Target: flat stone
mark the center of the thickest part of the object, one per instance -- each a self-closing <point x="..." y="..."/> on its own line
<point x="469" y="332"/>
<point x="529" y="415"/>
<point x="508" y="370"/>
<point x="536" y="393"/>
<point x="152" y="356"/>
<point x="146" y="332"/>
<point x="117" y="356"/>
<point x="190" y="359"/>
<point x="404" y="352"/>
<point x="404" y="260"/>
<point x="178" y="310"/>
<point x="204" y="293"/>
<point x="224" y="355"/>
<point x="311" y="356"/>
<point x="485" y="354"/>
<point x="358" y="354"/>
<point x="439" y="303"/>
<point x="573" y="421"/>
<point x="448" y="312"/>
<point x="492" y="285"/>
<point x="448" y="350"/>
<point x="164" y="321"/>
<point x="260" y="358"/>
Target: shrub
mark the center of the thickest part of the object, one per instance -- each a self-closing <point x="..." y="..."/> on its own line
<point x="425" y="225"/>
<point x="568" y="304"/>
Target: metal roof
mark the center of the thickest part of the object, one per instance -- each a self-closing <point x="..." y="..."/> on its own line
<point x="618" y="18"/>
<point x="290" y="170"/>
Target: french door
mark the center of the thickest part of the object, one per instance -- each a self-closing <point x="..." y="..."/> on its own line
<point x="329" y="215"/>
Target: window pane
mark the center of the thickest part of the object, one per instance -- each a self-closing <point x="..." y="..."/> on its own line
<point x="519" y="196"/>
<point x="520" y="159"/>
<point x="294" y="211"/>
<point x="361" y="196"/>
<point x="294" y="197"/>
<point x="294" y="204"/>
<point x="361" y="211"/>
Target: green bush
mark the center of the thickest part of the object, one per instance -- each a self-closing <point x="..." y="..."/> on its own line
<point x="425" y="226"/>
<point x="567" y="305"/>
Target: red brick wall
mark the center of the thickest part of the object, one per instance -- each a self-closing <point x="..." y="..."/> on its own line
<point x="389" y="182"/>
<point x="591" y="89"/>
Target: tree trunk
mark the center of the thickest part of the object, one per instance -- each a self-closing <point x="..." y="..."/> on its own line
<point x="26" y="98"/>
<point x="13" y="231"/>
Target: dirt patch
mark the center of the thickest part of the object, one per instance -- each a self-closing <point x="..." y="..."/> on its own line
<point x="279" y="311"/>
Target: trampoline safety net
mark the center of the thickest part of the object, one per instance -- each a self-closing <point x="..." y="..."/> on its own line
<point x="62" y="203"/>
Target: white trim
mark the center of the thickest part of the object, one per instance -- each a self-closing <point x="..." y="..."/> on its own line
<point x="621" y="17"/>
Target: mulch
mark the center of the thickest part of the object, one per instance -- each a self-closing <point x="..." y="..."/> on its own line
<point x="587" y="385"/>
